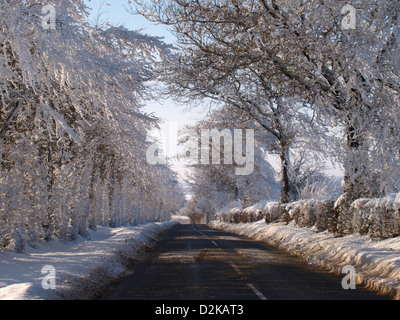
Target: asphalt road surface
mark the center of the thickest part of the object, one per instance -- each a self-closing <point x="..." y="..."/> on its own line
<point x="194" y="262"/>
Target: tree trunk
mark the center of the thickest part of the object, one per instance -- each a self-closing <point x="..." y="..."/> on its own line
<point x="284" y="155"/>
<point x="111" y="194"/>
<point x="356" y="167"/>
<point x="92" y="199"/>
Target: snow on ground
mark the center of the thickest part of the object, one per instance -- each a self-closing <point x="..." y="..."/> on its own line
<point x="377" y="263"/>
<point x="83" y="268"/>
<point x="181" y="219"/>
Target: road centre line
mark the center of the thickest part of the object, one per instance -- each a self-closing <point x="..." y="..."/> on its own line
<point x="256" y="291"/>
<point x="237" y="269"/>
<point x="250" y="285"/>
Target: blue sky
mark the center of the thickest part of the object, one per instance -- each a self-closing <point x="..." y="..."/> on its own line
<point x="116" y="12"/>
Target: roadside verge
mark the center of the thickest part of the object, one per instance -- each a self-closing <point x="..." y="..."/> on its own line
<point x="377" y="263"/>
<point x="79" y="270"/>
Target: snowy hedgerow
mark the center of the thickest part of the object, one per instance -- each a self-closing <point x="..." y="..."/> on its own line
<point x="318" y="213"/>
<point x="252" y="214"/>
<point x="378" y="218"/>
<point x="381" y="216"/>
<point x="276" y="212"/>
<point x="307" y="216"/>
<point x="343" y="224"/>
<point x="238" y="215"/>
<point x="309" y="213"/>
<point x="325" y="214"/>
<point x="359" y="218"/>
<point x="234" y="215"/>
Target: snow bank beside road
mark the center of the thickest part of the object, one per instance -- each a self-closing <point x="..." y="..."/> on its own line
<point x="83" y="268"/>
<point x="377" y="263"/>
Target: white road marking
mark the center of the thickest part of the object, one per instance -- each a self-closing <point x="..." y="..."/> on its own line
<point x="234" y="266"/>
<point x="250" y="285"/>
<point x="204" y="235"/>
<point x="256" y="291"/>
<point x="238" y="271"/>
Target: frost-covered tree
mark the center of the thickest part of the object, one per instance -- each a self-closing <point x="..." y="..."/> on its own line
<point x="307" y="50"/>
<point x="215" y="185"/>
<point x="220" y="44"/>
<point x="73" y="132"/>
